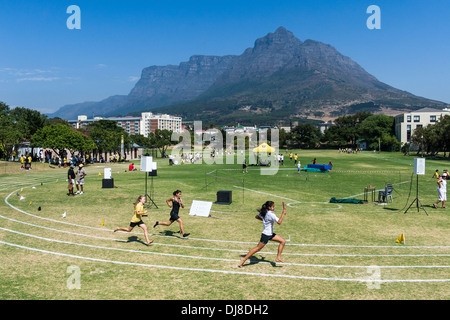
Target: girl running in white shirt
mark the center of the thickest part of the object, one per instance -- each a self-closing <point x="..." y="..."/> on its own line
<point x="268" y="218"/>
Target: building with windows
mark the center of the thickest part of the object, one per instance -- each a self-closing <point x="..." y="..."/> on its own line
<point x="146" y="123"/>
<point x="151" y="122"/>
<point x="406" y="123"/>
<point x="132" y="125"/>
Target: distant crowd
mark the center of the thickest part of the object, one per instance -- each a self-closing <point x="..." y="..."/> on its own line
<point x="65" y="161"/>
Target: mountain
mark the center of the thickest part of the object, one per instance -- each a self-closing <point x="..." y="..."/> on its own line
<point x="90" y="108"/>
<point x="158" y="86"/>
<point x="280" y="77"/>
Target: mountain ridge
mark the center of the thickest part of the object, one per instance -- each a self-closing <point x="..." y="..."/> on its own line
<point x="279" y="77"/>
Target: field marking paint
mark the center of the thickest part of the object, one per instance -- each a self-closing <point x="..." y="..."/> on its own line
<point x="25" y="183"/>
<point x="220" y="271"/>
<point x="266" y="193"/>
<point x="221" y="249"/>
<point x="218" y="259"/>
<point x="227" y="241"/>
<point x="48" y="219"/>
<point x="293" y="201"/>
<point x="360" y="194"/>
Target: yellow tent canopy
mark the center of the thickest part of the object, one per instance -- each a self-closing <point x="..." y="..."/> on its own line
<point x="264" y="147"/>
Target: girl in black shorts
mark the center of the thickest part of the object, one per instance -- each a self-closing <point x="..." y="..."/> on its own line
<point x="268" y="218"/>
<point x="136" y="220"/>
<point x="176" y="203"/>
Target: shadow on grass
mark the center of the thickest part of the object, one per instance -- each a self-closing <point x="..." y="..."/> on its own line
<point x="136" y="239"/>
<point x="169" y="233"/>
<point x="256" y="260"/>
<point x="411" y="207"/>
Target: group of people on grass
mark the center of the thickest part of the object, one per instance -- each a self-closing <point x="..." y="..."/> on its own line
<point x="25" y="161"/>
<point x="76" y="179"/>
<point x="265" y="213"/>
<point x="174" y="202"/>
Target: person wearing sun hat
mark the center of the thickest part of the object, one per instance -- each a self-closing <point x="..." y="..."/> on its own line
<point x="81" y="173"/>
<point x="442" y="183"/>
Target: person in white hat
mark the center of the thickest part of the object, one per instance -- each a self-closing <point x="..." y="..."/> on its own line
<point x="442" y="183"/>
<point x="81" y="173"/>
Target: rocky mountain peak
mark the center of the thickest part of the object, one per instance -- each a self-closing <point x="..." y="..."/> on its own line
<point x="281" y="38"/>
<point x="280" y="74"/>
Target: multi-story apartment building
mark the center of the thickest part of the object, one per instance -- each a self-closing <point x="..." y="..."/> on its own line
<point x="146" y="123"/>
<point x="151" y="122"/>
<point x="132" y="125"/>
<point x="406" y="123"/>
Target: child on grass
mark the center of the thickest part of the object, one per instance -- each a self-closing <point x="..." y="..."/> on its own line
<point x="268" y="218"/>
<point x="136" y="220"/>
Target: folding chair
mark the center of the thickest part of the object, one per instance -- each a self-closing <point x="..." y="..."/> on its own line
<point x="386" y="193"/>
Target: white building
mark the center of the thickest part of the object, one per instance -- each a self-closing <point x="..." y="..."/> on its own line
<point x="150" y="122"/>
<point x="146" y="123"/>
<point x="406" y="123"/>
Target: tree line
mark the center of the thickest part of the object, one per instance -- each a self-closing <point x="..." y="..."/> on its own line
<point x="432" y="138"/>
<point x="24" y="125"/>
<point x="378" y="131"/>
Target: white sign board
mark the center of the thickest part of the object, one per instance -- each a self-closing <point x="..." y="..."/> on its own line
<point x="200" y="208"/>
<point x="419" y="166"/>
<point x="146" y="163"/>
<point x="107" y="173"/>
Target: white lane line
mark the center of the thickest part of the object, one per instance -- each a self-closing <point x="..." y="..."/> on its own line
<point x="220" y="271"/>
<point x="228" y="250"/>
<point x="266" y="193"/>
<point x="218" y="259"/>
<point x="363" y="280"/>
<point x="224" y="241"/>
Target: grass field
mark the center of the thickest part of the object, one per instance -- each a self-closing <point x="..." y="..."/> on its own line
<point x="336" y="250"/>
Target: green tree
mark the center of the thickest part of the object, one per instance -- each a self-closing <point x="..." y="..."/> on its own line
<point x="59" y="137"/>
<point x="9" y="136"/>
<point x="334" y="138"/>
<point x="29" y="121"/>
<point x="433" y="138"/>
<point x="140" y="140"/>
<point x="10" y="133"/>
<point x="107" y="135"/>
<point x="161" y="139"/>
<point x="145" y="142"/>
<point x="443" y="133"/>
<point x="306" y="135"/>
<point x="345" y="131"/>
<point x="419" y="139"/>
<point x="377" y="129"/>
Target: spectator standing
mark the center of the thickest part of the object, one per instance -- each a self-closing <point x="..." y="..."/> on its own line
<point x="71" y="179"/>
<point x="442" y="190"/>
<point x="81" y="173"/>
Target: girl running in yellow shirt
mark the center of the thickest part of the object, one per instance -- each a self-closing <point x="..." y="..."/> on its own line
<point x="136" y="220"/>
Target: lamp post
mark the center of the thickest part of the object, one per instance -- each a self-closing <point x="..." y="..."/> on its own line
<point x="422" y="145"/>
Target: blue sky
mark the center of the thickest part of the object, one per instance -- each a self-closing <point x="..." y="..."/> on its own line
<point x="44" y="65"/>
